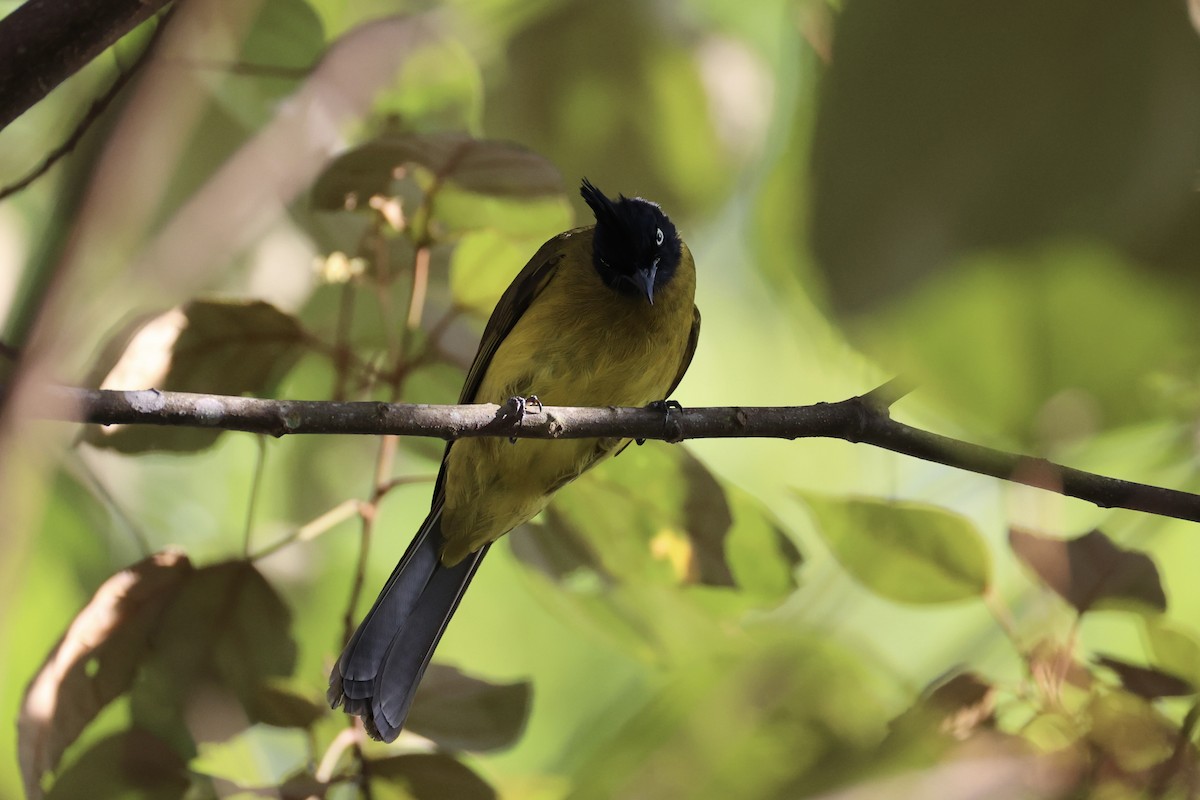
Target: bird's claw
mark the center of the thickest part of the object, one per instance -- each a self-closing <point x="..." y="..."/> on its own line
<point x="672" y="428"/>
<point x="519" y="407"/>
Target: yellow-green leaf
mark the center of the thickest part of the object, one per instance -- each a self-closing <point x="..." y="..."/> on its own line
<point x="906" y="552"/>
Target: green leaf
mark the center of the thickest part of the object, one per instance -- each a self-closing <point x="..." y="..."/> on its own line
<point x="1034" y="354"/>
<point x="762" y="557"/>
<point x="1175" y="648"/>
<point x="207" y="346"/>
<point x="555" y="548"/>
<point x="283" y="708"/>
<point x="616" y="64"/>
<point x="132" y="765"/>
<point x="1091" y="571"/>
<point x="440" y="87"/>
<point x="284" y="42"/>
<point x="459" y="712"/>
<point x="1130" y="731"/>
<point x="429" y="776"/>
<point x="95" y="661"/>
<point x="481" y="166"/>
<point x="906" y="552"/>
<point x="681" y="533"/>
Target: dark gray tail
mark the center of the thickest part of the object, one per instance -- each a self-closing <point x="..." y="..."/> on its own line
<point x="379" y="670"/>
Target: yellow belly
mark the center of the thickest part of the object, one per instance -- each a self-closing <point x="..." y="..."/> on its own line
<point x="568" y="354"/>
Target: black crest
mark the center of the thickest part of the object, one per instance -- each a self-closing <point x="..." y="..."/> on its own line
<point x="632" y="235"/>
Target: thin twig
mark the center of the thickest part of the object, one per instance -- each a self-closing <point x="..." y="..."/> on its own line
<point x="853" y="420"/>
<point x="255" y="489"/>
<point x="311" y="530"/>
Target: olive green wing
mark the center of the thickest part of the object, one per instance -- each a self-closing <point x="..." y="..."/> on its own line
<point x="693" y="339"/>
<point x="516" y="299"/>
<point x="520" y="294"/>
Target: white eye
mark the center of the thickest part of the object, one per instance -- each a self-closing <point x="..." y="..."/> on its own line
<point x="658" y="236"/>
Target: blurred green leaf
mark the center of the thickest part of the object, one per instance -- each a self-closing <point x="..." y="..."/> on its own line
<point x="95" y="661"/>
<point x="427" y="776"/>
<point x="284" y="42"/>
<point x="905" y="552"/>
<point x="482" y="166"/>
<point x="207" y="346"/>
<point x="222" y="636"/>
<point x="978" y="136"/>
<point x="440" y="87"/>
<point x="610" y="84"/>
<point x="1043" y="346"/>
<point x="1091" y="571"/>
<point x="957" y="705"/>
<point x="132" y="765"/>
<point x="283" y="708"/>
<point x="1174" y="648"/>
<point x="683" y="532"/>
<point x="303" y="786"/>
<point x="756" y="717"/>
<point x="460" y="712"/>
<point x="1130" y="731"/>
<point x="490" y="256"/>
<point x="554" y="548"/>
<point x="1146" y="682"/>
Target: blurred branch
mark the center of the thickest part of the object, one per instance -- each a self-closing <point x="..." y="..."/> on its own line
<point x="95" y="110"/>
<point x="860" y="419"/>
<point x="44" y="42"/>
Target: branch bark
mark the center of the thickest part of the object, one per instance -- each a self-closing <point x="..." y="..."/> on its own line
<point x="44" y="42"/>
<point x="864" y="419"/>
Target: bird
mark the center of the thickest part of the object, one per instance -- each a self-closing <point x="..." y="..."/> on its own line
<point x="602" y="315"/>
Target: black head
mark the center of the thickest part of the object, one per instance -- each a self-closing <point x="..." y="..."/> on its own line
<point x="635" y="248"/>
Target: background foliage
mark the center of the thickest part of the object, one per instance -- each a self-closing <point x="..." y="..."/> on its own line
<point x="996" y="199"/>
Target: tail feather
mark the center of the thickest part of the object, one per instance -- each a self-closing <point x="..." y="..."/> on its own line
<point x="378" y="672"/>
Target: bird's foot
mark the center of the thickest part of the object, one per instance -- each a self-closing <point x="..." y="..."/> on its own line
<point x="672" y="428"/>
<point x="518" y="408"/>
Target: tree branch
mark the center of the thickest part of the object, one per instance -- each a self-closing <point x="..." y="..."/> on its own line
<point x="44" y="42"/>
<point x="862" y="419"/>
<point x="94" y="112"/>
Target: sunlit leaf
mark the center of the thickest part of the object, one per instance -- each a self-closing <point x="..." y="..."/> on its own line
<point x="906" y="552"/>
<point x="1145" y="681"/>
<point x="1174" y="648"/>
<point x="477" y="165"/>
<point x="762" y="557"/>
<point x="429" y="776"/>
<point x="1091" y="571"/>
<point x="460" y="712"/>
<point x="132" y="765"/>
<point x="95" y="661"/>
<point x="207" y="346"/>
